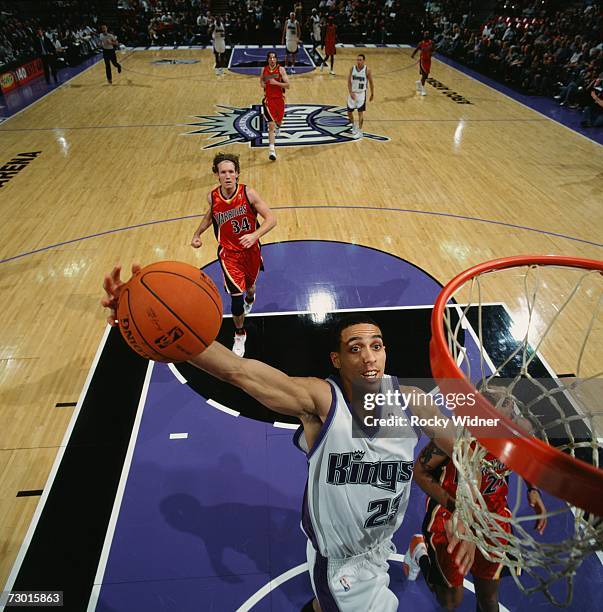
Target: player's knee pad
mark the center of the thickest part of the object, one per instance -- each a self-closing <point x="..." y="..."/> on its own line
<point x="237" y="307"/>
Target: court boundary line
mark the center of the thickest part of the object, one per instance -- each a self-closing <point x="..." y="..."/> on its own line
<point x="34" y="102"/>
<point x="312" y="207"/>
<point x="55" y="467"/>
<point x="119" y="494"/>
<point x="461" y="71"/>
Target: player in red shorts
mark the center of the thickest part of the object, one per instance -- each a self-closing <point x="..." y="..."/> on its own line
<point x="274" y="81"/>
<point x="426" y="47"/>
<point x="233" y="211"/>
<point x="330" y="40"/>
<point x="435" y="473"/>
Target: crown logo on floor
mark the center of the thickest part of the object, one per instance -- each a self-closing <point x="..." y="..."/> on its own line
<point x="304" y="124"/>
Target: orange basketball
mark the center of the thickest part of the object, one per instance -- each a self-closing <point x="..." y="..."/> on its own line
<point x="169" y="311"/>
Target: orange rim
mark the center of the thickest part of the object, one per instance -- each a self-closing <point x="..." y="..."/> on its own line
<point x="558" y="473"/>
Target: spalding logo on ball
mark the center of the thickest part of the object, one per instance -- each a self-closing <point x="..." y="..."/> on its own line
<point x="169" y="311"/>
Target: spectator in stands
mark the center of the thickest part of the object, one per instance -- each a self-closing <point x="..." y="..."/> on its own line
<point x="47" y="53"/>
<point x="592" y="115"/>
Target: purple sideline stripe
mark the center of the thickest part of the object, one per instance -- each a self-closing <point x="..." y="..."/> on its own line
<point x="22" y="97"/>
<point x="336" y="207"/>
<point x="542" y="104"/>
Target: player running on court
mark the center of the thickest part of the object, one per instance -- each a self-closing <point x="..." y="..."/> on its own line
<point x="291" y="40"/>
<point x="358" y="487"/>
<point x="274" y="80"/>
<point x="233" y="211"/>
<point x="358" y="78"/>
<point x="426" y="48"/>
<point x="218" y="36"/>
<point x="330" y="48"/>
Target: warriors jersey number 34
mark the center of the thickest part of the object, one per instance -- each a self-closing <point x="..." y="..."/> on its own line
<point x="233" y="218"/>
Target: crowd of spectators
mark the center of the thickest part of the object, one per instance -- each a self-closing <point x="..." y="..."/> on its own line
<point x="72" y="32"/>
<point x="167" y="22"/>
<point x="535" y="52"/>
<point x="531" y="46"/>
<point x="541" y="47"/>
<point x="373" y="21"/>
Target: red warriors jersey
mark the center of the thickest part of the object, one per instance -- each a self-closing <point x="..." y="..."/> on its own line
<point x="272" y="91"/>
<point x="494" y="489"/>
<point x="233" y="218"/>
<point x="330" y="39"/>
<point x="426" y="49"/>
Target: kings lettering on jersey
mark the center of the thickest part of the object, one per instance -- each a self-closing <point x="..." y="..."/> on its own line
<point x="348" y="468"/>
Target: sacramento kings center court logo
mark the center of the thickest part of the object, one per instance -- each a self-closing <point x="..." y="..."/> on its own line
<point x="304" y="124"/>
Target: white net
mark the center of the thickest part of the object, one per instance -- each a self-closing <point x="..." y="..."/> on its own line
<point x="537" y="358"/>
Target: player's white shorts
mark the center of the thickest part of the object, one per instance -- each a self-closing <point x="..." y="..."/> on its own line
<point x="220" y="46"/>
<point x="359" y="103"/>
<point x="359" y="584"/>
<point x="291" y="45"/>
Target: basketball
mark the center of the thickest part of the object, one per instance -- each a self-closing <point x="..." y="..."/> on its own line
<point x="169" y="311"/>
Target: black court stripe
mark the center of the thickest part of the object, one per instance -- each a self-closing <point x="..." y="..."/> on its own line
<point x="65" y="404"/>
<point x="32" y="493"/>
<point x="66" y="546"/>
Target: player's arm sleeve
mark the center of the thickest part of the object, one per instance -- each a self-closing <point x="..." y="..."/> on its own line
<point x="274" y="389"/>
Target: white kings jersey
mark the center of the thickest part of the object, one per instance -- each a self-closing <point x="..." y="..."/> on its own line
<point x="219" y="38"/>
<point x="291" y="34"/>
<point x="358" y="488"/>
<point x="358" y="79"/>
<point x="315" y="19"/>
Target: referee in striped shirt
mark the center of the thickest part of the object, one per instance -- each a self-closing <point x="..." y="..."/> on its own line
<point x="109" y="44"/>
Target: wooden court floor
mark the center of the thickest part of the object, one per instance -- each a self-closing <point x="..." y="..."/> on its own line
<point x="119" y="180"/>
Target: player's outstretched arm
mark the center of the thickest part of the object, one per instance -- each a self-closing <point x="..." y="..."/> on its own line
<point x="205" y="223"/>
<point x="300" y="397"/>
<point x="305" y="398"/>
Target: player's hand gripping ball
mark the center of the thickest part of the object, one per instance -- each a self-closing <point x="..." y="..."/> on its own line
<point x="169" y="311"/>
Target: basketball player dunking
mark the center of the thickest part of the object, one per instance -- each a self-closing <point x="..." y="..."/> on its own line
<point x="358" y="78"/>
<point x="274" y="81"/>
<point x="233" y="210"/>
<point x="426" y="48"/>
<point x="358" y="487"/>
